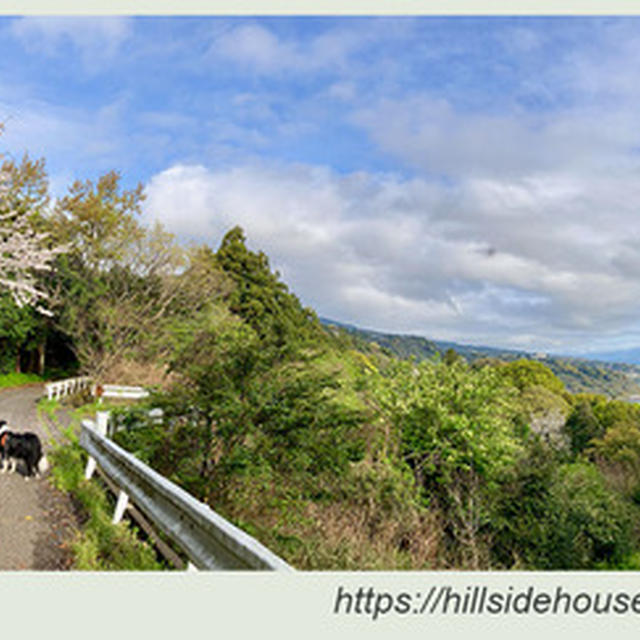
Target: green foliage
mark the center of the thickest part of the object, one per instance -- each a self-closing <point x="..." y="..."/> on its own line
<point x="240" y="416"/>
<point x="121" y="284"/>
<point x="528" y="373"/>
<point x="80" y="293"/>
<point x="262" y="299"/>
<point x="578" y="376"/>
<point x="28" y="187"/>
<point x="17" y="330"/>
<point x="100" y="545"/>
<point x="609" y="412"/>
<point x="591" y="524"/>
<point x="18" y="379"/>
<point x="308" y="427"/>
<point x="450" y="419"/>
<point x="554" y="516"/>
<point x="617" y="454"/>
<point x="620" y="444"/>
<point x="451" y="356"/>
<point x="582" y="426"/>
<point x="522" y="510"/>
<point x="98" y="220"/>
<point x="456" y="431"/>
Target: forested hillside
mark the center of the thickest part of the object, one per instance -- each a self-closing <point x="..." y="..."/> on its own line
<point x="613" y="379"/>
<point x="331" y="450"/>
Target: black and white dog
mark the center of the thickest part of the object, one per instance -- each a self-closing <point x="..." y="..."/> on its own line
<point x="21" y="446"/>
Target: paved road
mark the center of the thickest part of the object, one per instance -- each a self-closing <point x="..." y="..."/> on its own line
<point x="36" y="520"/>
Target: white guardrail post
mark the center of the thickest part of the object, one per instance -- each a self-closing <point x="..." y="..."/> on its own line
<point x="210" y="541"/>
<point x="102" y="421"/>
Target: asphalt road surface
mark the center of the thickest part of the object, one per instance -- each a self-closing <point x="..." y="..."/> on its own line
<point x="37" y="521"/>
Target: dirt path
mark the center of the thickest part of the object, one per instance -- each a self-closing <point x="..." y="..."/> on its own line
<point x="36" y="520"/>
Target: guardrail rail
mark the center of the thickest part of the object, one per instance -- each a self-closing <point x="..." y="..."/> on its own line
<point x="209" y="541"/>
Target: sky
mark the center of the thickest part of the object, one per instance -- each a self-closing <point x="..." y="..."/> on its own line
<point x="474" y="179"/>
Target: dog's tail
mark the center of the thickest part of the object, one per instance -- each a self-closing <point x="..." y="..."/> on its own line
<point x="43" y="464"/>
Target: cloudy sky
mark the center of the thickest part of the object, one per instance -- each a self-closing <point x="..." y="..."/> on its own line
<point x="471" y="179"/>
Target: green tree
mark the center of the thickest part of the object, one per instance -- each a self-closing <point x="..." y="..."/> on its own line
<point x="552" y="516"/>
<point x="450" y="356"/>
<point x="617" y="453"/>
<point x="262" y="299"/>
<point x="99" y="221"/>
<point x="582" y="426"/>
<point x="18" y="330"/>
<point x="521" y="512"/>
<point x="455" y="429"/>
<point x="591" y="525"/>
<point x="121" y="281"/>
<point x="526" y="373"/>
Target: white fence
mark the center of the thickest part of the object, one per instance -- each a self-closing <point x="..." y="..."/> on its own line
<point x="61" y="388"/>
<point x="119" y="391"/>
<point x="209" y="541"/>
<point x="56" y="390"/>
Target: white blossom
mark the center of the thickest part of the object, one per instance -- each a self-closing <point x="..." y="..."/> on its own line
<point x="24" y="252"/>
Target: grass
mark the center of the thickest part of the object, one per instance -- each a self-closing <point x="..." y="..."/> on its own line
<point x="99" y="545"/>
<point x="18" y="379"/>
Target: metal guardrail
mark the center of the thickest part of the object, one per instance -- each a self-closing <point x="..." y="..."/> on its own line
<point x="210" y="541"/>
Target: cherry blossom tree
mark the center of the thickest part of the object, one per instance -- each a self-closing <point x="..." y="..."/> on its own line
<point x="25" y="251"/>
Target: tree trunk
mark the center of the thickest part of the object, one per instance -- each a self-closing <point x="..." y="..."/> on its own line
<point x="41" y="356"/>
<point x="18" y="360"/>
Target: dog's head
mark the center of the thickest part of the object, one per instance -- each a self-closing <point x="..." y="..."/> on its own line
<point x="4" y="434"/>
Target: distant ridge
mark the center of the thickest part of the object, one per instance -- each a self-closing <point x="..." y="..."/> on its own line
<point x="628" y="356"/>
<point x="427" y="347"/>
<point x="593" y="374"/>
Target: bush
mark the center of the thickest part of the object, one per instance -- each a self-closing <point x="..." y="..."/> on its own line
<point x="560" y="517"/>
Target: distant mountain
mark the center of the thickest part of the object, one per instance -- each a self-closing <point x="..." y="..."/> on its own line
<point x="628" y="356"/>
<point x="613" y="378"/>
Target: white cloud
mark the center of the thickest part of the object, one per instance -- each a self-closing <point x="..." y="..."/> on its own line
<point x="254" y="45"/>
<point x="432" y="135"/>
<point x="405" y="255"/>
<point x="260" y="49"/>
<point x="94" y="38"/>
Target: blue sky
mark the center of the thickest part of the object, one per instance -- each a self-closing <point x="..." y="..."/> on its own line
<point x="472" y="179"/>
